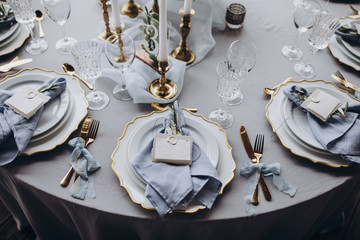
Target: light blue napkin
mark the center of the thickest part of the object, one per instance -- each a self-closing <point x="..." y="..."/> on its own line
<point x="7" y="23"/>
<point x="170" y="185"/>
<point x="252" y="171"/>
<point x="85" y="165"/>
<point x="339" y="134"/>
<point x="15" y="130"/>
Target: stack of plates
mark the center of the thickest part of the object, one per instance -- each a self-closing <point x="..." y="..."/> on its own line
<point x="60" y="117"/>
<point x="210" y="137"/>
<point x="292" y="127"/>
<point x="13" y="37"/>
<point x="345" y="52"/>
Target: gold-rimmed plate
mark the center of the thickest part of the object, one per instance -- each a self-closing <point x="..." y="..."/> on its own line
<point x="277" y="119"/>
<point x="75" y="113"/>
<point x="15" y="41"/>
<point x="136" y="188"/>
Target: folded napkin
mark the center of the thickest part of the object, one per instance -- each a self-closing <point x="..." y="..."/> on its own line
<point x="6" y="23"/>
<point x="140" y="75"/>
<point x="15" y="130"/>
<point x="252" y="171"/>
<point x="339" y="134"/>
<point x="85" y="165"/>
<point x="7" y="18"/>
<point x="349" y="34"/>
<point x="170" y="185"/>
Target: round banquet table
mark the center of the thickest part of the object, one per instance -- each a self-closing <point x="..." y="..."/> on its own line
<point x="30" y="188"/>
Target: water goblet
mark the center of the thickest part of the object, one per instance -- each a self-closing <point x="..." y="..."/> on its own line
<point x="303" y="19"/>
<point x="25" y="14"/>
<point x="120" y="52"/>
<point x="59" y="12"/>
<point x="324" y="27"/>
<point x="230" y="75"/>
<point x="241" y="49"/>
<point x="87" y="55"/>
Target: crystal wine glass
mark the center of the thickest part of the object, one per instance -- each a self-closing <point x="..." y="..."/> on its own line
<point x="241" y="49"/>
<point x="87" y="55"/>
<point x="231" y="73"/>
<point x="59" y="12"/>
<point x="25" y="14"/>
<point x="303" y="19"/>
<point x="121" y="55"/>
<point x="324" y="27"/>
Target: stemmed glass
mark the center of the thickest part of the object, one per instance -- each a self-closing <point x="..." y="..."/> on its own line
<point x="25" y="14"/>
<point x="324" y="27"/>
<point x="241" y="49"/>
<point x="87" y="55"/>
<point x="59" y="12"/>
<point x="303" y="19"/>
<point x="231" y="73"/>
<point x="121" y="55"/>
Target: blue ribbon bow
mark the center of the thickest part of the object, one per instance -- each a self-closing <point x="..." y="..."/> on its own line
<point x="85" y="165"/>
<point x="252" y="171"/>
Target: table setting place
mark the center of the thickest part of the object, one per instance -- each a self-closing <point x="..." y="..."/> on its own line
<point x="173" y="159"/>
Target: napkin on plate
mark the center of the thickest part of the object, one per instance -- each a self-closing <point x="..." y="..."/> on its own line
<point x="6" y="23"/>
<point x="15" y="130"/>
<point x="170" y="185"/>
<point x="349" y="33"/>
<point x="339" y="134"/>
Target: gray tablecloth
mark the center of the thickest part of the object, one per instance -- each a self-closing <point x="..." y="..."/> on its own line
<point x="30" y="186"/>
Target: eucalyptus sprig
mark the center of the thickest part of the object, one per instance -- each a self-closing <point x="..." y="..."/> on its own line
<point x="5" y="14"/>
<point x="50" y="87"/>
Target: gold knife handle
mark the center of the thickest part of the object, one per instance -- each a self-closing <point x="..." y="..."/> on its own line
<point x="264" y="187"/>
<point x="66" y="180"/>
<point x="255" y="196"/>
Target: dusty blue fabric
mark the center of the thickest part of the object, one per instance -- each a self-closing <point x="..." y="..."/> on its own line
<point x="85" y="165"/>
<point x="339" y="134"/>
<point x="15" y="130"/>
<point x="252" y="171"/>
<point x="7" y="23"/>
<point x="170" y="185"/>
<point x="351" y="38"/>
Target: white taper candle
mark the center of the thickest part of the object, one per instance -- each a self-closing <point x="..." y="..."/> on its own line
<point x="187" y="6"/>
<point x="163" y="54"/>
<point x="116" y="13"/>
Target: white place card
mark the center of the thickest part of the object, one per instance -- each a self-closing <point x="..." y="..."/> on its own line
<point x="321" y="104"/>
<point x="27" y="101"/>
<point x="175" y="149"/>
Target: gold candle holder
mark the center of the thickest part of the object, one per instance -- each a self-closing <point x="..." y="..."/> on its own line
<point x="131" y="9"/>
<point x="121" y="57"/>
<point x="163" y="88"/>
<point x="107" y="33"/>
<point x="182" y="52"/>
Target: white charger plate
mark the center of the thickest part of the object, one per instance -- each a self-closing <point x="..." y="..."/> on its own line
<point x="135" y="187"/>
<point x="53" y="112"/>
<point x="76" y="112"/>
<point x="297" y="120"/>
<point x="15" y="41"/>
<point x="341" y="46"/>
<point x="275" y="116"/>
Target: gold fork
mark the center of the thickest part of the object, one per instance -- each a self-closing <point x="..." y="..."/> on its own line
<point x="258" y="151"/>
<point x="339" y="77"/>
<point x="93" y="129"/>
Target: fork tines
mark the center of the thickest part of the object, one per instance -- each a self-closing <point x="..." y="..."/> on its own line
<point x="94" y="127"/>
<point x="259" y="143"/>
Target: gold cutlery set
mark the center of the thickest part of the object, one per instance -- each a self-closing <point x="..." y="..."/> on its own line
<point x="88" y="132"/>
<point x="14" y="63"/>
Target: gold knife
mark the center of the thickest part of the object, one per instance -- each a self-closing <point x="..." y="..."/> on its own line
<point x="83" y="134"/>
<point x="250" y="152"/>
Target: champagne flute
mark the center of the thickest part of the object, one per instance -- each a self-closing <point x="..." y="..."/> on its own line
<point x="25" y="14"/>
<point x="120" y="52"/>
<point x="87" y="55"/>
<point x="59" y="12"/>
<point x="303" y="19"/>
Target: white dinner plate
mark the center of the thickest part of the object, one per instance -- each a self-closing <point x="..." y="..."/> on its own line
<point x="339" y="54"/>
<point x="146" y="130"/>
<point x="341" y="46"/>
<point x="15" y="41"/>
<point x="75" y="113"/>
<point x="136" y="188"/>
<point x="297" y="120"/>
<point x="53" y="112"/>
<point x="275" y="116"/>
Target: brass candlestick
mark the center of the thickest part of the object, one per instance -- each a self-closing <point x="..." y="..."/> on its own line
<point x="155" y="7"/>
<point x="107" y="33"/>
<point x="130" y="9"/>
<point x="121" y="57"/>
<point x="162" y="87"/>
<point x="182" y="52"/>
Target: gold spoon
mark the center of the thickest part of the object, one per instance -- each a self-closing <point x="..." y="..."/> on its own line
<point x="270" y="91"/>
<point x="68" y="68"/>
<point x="39" y="18"/>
